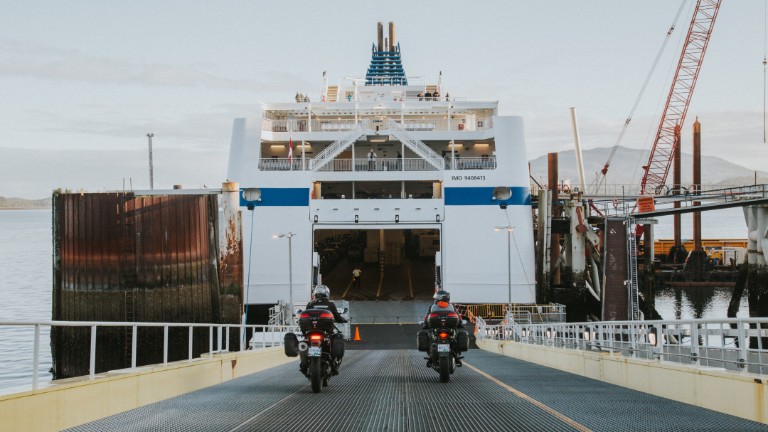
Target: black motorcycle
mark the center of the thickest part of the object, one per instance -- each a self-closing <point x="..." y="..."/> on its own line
<point x="444" y="342"/>
<point x="321" y="348"/>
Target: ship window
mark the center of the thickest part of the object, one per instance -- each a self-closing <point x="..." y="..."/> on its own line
<point x="502" y="193"/>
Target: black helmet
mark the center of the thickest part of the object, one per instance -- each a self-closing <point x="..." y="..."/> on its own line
<point x="322" y="292"/>
<point x="442" y="296"/>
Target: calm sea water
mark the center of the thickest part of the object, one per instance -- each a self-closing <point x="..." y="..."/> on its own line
<point x="26" y="285"/>
<point x="25" y="292"/>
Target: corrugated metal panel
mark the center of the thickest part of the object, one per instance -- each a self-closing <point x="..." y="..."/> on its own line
<point x="118" y="257"/>
<point x="616" y="298"/>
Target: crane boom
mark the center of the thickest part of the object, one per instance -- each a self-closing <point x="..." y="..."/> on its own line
<point x="680" y="94"/>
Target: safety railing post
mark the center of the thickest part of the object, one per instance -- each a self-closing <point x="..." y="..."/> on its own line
<point x="242" y="337"/>
<point x="227" y="339"/>
<point x="36" y="357"/>
<point x="165" y="345"/>
<point x="210" y="341"/>
<point x="218" y="337"/>
<point x="134" y="338"/>
<point x="189" y="348"/>
<point x="695" y="344"/>
<point x="92" y="363"/>
<point x="743" y="344"/>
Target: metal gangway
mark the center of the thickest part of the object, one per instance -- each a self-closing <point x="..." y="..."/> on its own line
<point x="392" y="390"/>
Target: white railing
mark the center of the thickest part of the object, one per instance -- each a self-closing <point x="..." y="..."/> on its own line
<point x="284" y="164"/>
<point x="417" y="146"/>
<point x="334" y="149"/>
<point x="380" y="164"/>
<point x="730" y="344"/>
<point x="348" y="124"/>
<point x="472" y="163"/>
<point x="221" y="335"/>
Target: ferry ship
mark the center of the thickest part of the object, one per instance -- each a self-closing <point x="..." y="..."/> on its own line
<point x="417" y="187"/>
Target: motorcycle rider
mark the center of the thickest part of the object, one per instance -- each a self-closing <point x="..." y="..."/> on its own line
<point x="442" y="302"/>
<point x="321" y="301"/>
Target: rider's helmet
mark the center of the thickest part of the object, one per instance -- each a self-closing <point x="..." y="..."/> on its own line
<point x="442" y="296"/>
<point x="322" y="292"/>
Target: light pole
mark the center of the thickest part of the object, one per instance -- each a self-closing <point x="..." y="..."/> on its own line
<point x="509" y="230"/>
<point x="289" y="236"/>
<point x="151" y="174"/>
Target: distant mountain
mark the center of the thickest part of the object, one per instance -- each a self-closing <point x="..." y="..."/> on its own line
<point x="21" y="203"/>
<point x="626" y="168"/>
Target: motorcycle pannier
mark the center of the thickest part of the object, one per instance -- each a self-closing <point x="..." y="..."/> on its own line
<point x="422" y="340"/>
<point x="291" y="345"/>
<point x="462" y="340"/>
<point x="316" y="319"/>
<point x="337" y="345"/>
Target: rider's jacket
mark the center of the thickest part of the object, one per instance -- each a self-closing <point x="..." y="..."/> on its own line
<point x="327" y="304"/>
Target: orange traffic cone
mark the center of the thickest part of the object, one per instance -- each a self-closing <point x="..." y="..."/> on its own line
<point x="357" y="333"/>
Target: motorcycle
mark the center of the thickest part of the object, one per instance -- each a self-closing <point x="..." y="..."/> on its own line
<point x="321" y="347"/>
<point x="444" y="342"/>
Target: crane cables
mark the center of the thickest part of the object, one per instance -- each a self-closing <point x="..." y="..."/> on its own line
<point x="600" y="177"/>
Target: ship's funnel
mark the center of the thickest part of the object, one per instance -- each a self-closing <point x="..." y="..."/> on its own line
<point x="380" y="36"/>
<point x="391" y="36"/>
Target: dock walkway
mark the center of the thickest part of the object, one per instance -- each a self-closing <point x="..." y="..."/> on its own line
<point x="392" y="390"/>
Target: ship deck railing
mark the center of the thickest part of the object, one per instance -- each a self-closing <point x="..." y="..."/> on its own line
<point x="457" y="124"/>
<point x="735" y="344"/>
<point x="380" y="164"/>
<point x="263" y="336"/>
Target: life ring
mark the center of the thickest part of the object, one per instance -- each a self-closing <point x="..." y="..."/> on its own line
<point x="615" y="203"/>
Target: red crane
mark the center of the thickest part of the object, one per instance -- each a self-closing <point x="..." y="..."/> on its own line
<point x="679" y="98"/>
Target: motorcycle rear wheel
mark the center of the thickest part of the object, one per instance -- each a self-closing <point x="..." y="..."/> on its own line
<point x="316" y="374"/>
<point x="445" y="369"/>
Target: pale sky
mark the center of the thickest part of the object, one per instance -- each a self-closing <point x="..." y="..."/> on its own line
<point x="82" y="82"/>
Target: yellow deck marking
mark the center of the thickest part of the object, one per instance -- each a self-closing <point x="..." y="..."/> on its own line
<point x="347" y="290"/>
<point x="381" y="280"/>
<point x="518" y="393"/>
<point x="410" y="284"/>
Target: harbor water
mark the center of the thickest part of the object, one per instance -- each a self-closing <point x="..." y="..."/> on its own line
<point x="26" y="285"/>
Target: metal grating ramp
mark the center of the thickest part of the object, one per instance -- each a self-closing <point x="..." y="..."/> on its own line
<point x="394" y="391"/>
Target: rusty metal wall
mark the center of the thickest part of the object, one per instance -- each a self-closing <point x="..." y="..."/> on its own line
<point x="616" y="297"/>
<point x="119" y="257"/>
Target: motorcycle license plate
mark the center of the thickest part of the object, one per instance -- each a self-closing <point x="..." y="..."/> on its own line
<point x="443" y="348"/>
<point x="314" y="351"/>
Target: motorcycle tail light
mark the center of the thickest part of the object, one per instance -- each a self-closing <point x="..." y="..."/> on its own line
<point x="434" y="315"/>
<point x="315" y="337"/>
<point x="443" y="335"/>
<point x="327" y="315"/>
<point x="453" y="315"/>
<point x="303" y="315"/>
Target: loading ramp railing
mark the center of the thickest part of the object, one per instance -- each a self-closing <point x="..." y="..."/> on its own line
<point x="263" y="336"/>
<point x="739" y="345"/>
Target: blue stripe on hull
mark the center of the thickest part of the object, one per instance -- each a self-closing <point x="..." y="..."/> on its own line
<point x="484" y="196"/>
<point x="279" y="197"/>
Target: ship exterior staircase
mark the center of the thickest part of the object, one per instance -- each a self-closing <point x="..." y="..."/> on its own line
<point x="332" y="94"/>
<point x="418" y="147"/>
<point x="333" y="150"/>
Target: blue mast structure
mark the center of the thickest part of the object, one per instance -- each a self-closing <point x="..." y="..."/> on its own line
<point x="386" y="66"/>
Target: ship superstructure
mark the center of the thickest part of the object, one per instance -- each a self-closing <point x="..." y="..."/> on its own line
<point x="420" y="187"/>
